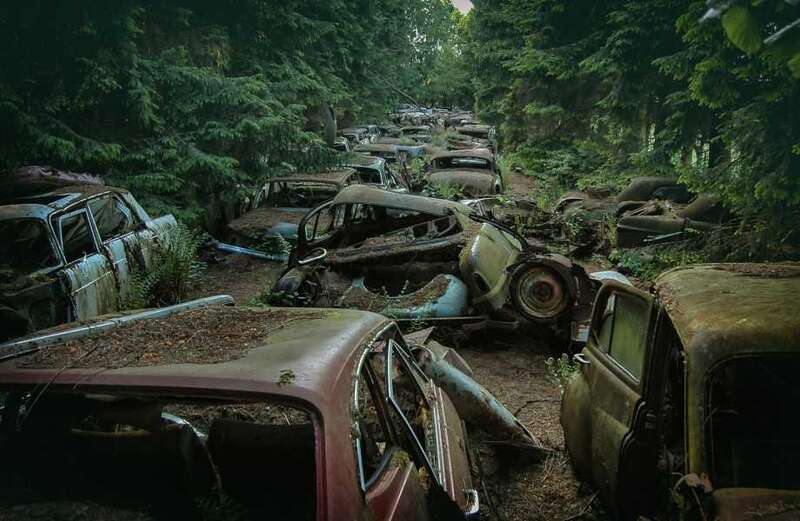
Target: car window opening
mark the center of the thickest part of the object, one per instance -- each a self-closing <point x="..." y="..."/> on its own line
<point x="76" y="236"/>
<point x="752" y="423"/>
<point x="168" y="460"/>
<point x="24" y="248"/>
<point x="299" y="194"/>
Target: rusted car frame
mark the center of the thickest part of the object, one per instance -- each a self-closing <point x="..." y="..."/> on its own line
<point x="86" y="243"/>
<point x="691" y="390"/>
<point x="283" y="201"/>
<point x="473" y="172"/>
<point x="366" y="433"/>
<point x="416" y="257"/>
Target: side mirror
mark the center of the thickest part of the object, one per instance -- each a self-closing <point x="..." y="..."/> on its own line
<point x="316" y="255"/>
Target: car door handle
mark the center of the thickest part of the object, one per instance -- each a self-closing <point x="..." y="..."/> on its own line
<point x="581" y="359"/>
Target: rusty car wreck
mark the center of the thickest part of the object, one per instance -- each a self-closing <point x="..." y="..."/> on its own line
<point x="472" y="172"/>
<point x="415" y="257"/>
<point x="691" y="390"/>
<point x="282" y="203"/>
<point x="70" y="254"/>
<point x="329" y="408"/>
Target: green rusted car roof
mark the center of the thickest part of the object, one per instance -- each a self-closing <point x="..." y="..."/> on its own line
<point x="721" y="309"/>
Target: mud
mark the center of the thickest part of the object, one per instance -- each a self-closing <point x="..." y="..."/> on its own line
<point x="201" y="336"/>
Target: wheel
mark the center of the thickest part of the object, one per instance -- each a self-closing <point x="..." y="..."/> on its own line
<point x="540" y="293"/>
<point x="297" y="287"/>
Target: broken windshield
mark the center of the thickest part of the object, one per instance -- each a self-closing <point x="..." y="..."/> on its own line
<point x="299" y="194"/>
<point x="752" y="423"/>
<point x="25" y="247"/>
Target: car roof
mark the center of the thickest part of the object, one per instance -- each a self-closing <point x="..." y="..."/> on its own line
<point x="360" y="161"/>
<point x="365" y="194"/>
<point x="40" y="206"/>
<point x="724" y="309"/>
<point x="339" y="176"/>
<point x="303" y="356"/>
<point x="482" y="153"/>
<point x="375" y="147"/>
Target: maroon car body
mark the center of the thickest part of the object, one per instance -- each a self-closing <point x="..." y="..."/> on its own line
<point x="326" y="363"/>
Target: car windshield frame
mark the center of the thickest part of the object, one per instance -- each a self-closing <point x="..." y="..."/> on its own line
<point x="290" y="185"/>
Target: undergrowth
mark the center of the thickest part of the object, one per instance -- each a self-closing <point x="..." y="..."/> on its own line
<point x="561" y="370"/>
<point x="172" y="268"/>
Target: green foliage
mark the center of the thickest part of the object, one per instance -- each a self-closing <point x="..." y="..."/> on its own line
<point x="189" y="103"/>
<point x="561" y="370"/>
<point x="173" y="267"/>
<point x="590" y="93"/>
<point x="648" y="266"/>
<point x="442" y="190"/>
<point x="742" y="28"/>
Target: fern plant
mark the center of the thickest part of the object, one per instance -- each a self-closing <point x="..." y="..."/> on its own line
<point x="173" y="267"/>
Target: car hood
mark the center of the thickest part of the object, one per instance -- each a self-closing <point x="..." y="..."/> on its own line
<point x="477" y="182"/>
<point x="263" y="219"/>
<point x="751" y="504"/>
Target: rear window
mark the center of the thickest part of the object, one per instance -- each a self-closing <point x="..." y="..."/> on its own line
<point x="24" y="248"/>
<point x="463" y="162"/>
<point x="752" y="423"/>
<point x="155" y="458"/>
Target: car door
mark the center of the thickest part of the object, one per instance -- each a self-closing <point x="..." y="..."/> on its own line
<point x="93" y="288"/>
<point x="420" y="478"/>
<point x="388" y="474"/>
<point x="608" y="422"/>
<point x="117" y="228"/>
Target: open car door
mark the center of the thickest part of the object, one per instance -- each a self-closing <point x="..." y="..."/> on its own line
<point x="609" y="422"/>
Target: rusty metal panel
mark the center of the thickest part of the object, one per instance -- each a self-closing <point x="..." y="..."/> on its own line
<point x="93" y="287"/>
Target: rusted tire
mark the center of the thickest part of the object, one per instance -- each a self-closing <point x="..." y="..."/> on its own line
<point x="540" y="293"/>
<point x="297" y="287"/>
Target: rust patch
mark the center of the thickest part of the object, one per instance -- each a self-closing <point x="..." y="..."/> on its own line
<point x="202" y="336"/>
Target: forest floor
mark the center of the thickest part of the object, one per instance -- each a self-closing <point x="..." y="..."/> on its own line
<point x="515" y="488"/>
<point x="511" y="366"/>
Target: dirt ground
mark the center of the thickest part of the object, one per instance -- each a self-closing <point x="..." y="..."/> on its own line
<point x="239" y="276"/>
<point x="514" y="488"/>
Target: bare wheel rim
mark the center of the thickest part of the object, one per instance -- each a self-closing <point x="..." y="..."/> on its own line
<point x="540" y="293"/>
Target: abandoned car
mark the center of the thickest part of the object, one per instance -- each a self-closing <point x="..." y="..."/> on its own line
<point x="283" y="201"/>
<point x="385" y="151"/>
<point x="594" y="204"/>
<point x="414" y="257"/>
<point x="472" y="172"/>
<point x="341" y="144"/>
<point x="174" y="413"/>
<point x="71" y="254"/>
<point x="662" y="221"/>
<point x="419" y="134"/>
<point x="357" y="136"/>
<point x="692" y="391"/>
<point x="375" y="171"/>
